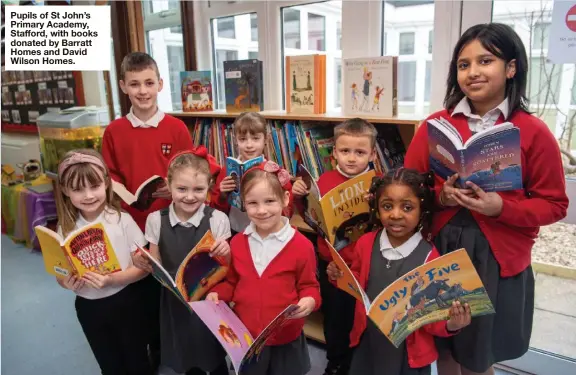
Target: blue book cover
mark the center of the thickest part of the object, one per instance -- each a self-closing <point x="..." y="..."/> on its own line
<point x="491" y="158"/>
<point x="243" y="86"/>
<point x="236" y="169"/>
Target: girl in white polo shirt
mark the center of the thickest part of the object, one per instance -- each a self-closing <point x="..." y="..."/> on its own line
<point x="107" y="306"/>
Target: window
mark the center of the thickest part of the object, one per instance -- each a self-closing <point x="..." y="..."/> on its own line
<point x="543" y="81"/>
<point x="427" y="81"/>
<point x="338" y="93"/>
<point x="176" y="55"/>
<point x="221" y="56"/>
<point x="160" y="6"/>
<point x="114" y="84"/>
<point x="384" y="39"/>
<point x="226" y="28"/>
<point x="252" y="55"/>
<point x="316" y="32"/>
<point x="407" y="81"/>
<point x="254" y="27"/>
<point x="339" y="35"/>
<point x="291" y="28"/>
<point x="406" y="43"/>
<point x="540" y="35"/>
<point x="430" y="40"/>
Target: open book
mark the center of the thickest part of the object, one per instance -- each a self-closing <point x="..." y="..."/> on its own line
<point x="236" y="169"/>
<point x="233" y="334"/>
<point x="85" y="249"/>
<point x="142" y="199"/>
<point x="490" y="158"/>
<point x="197" y="273"/>
<point x="342" y="215"/>
<point x="421" y="296"/>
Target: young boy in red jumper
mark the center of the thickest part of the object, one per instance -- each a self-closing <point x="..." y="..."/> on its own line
<point x="354" y="149"/>
<point x="140" y="145"/>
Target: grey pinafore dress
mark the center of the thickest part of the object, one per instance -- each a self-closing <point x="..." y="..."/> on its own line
<point x="288" y="359"/>
<point x="497" y="337"/>
<point x="185" y="342"/>
<point x="375" y="355"/>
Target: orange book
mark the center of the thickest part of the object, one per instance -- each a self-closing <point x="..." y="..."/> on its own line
<point x="305" y="84"/>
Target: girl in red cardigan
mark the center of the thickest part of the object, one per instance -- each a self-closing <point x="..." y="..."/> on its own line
<point x="486" y="86"/>
<point x="402" y="201"/>
<point x="272" y="266"/>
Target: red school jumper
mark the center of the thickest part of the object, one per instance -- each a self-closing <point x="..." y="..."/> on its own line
<point x="290" y="276"/>
<point x="135" y="154"/>
<point x="542" y="201"/>
<point x="420" y="344"/>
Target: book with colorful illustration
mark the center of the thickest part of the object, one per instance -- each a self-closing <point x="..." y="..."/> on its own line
<point x="236" y="169"/>
<point x="244" y="85"/>
<point x="85" y="249"/>
<point x="235" y="338"/>
<point x="370" y="86"/>
<point x="196" y="91"/>
<point x="306" y="84"/>
<point x="421" y="296"/>
<point x="490" y="158"/>
<point x="197" y="273"/>
<point x="341" y="215"/>
<point x="142" y="199"/>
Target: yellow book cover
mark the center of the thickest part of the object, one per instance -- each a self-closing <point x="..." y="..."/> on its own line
<point x="342" y="215"/>
<point x="85" y="249"/>
<point x="421" y="296"/>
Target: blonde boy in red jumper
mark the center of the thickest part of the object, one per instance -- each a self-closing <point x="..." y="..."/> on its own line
<point x="354" y="149"/>
<point x="139" y="145"/>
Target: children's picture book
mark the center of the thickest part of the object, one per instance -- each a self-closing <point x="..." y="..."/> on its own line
<point x="235" y="338"/>
<point x="236" y="169"/>
<point x="342" y="215"/>
<point x="85" y="249"/>
<point x="142" y="199"/>
<point x="196" y="91"/>
<point x="244" y="82"/>
<point x="421" y="296"/>
<point x="490" y="158"/>
<point x="370" y="86"/>
<point x="305" y="84"/>
<point x="197" y="273"/>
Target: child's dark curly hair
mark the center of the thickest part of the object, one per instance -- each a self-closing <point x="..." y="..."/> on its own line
<point x="422" y="185"/>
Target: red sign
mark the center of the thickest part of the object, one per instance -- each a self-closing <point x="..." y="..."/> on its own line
<point x="571" y="18"/>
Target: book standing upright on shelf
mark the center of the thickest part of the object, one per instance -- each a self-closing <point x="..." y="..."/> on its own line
<point x="490" y="158"/>
<point x="370" y="86"/>
<point x="236" y="169"/>
<point x="85" y="249"/>
<point x="341" y="215"/>
<point x="196" y="91"/>
<point x="421" y="296"/>
<point x="142" y="199"/>
<point x="306" y="84"/>
<point x="244" y="83"/>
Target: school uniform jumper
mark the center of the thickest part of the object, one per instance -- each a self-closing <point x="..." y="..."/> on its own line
<point x="374" y="354"/>
<point x="500" y="247"/>
<point x="186" y="342"/>
<point x="265" y="276"/>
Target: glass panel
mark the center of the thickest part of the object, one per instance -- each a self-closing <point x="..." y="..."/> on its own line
<point x="157" y="6"/>
<point x="322" y="22"/>
<point x="166" y="47"/>
<point x="408" y="32"/>
<point x="235" y="38"/>
<point x="114" y="85"/>
<point x="551" y="90"/>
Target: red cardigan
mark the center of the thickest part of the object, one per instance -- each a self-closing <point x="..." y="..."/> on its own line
<point x="290" y="276"/>
<point x="420" y="344"/>
<point x="543" y="200"/>
<point x="135" y="154"/>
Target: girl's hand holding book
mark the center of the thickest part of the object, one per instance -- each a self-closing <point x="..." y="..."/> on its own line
<point x="333" y="271"/>
<point x="460" y="316"/>
<point x="212" y="296"/>
<point x="448" y="194"/>
<point x="140" y="261"/>
<point x="96" y="280"/>
<point x="305" y="307"/>
<point x="220" y="248"/>
<point x="299" y="188"/>
<point x="71" y="282"/>
<point x="489" y="204"/>
<point x="227" y="185"/>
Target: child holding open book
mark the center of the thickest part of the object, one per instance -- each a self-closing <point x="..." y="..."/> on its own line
<point x="487" y="86"/>
<point x="273" y="266"/>
<point x="402" y="202"/>
<point x="107" y="306"/>
<point x="187" y="346"/>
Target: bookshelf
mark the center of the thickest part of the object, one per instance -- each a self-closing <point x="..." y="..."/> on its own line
<point x="407" y="125"/>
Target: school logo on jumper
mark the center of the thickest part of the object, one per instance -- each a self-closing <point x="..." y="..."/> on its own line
<point x="166" y="148"/>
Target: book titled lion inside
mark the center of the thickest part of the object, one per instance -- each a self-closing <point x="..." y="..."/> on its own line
<point x="490" y="158"/>
<point x="85" y="249"/>
<point x="341" y="215"/>
<point x="421" y="296"/>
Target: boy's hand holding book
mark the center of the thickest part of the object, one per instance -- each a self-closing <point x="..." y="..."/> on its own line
<point x="305" y="307"/>
<point x="227" y="185"/>
<point x="299" y="188"/>
<point x="460" y="317"/>
<point x="162" y="192"/>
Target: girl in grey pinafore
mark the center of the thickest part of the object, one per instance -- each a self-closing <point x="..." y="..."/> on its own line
<point x="186" y="344"/>
<point x="375" y="355"/>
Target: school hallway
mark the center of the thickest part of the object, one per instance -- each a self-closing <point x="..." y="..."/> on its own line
<point x="40" y="332"/>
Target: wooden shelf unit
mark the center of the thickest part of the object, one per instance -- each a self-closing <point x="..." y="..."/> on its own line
<point x="407" y="125"/>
